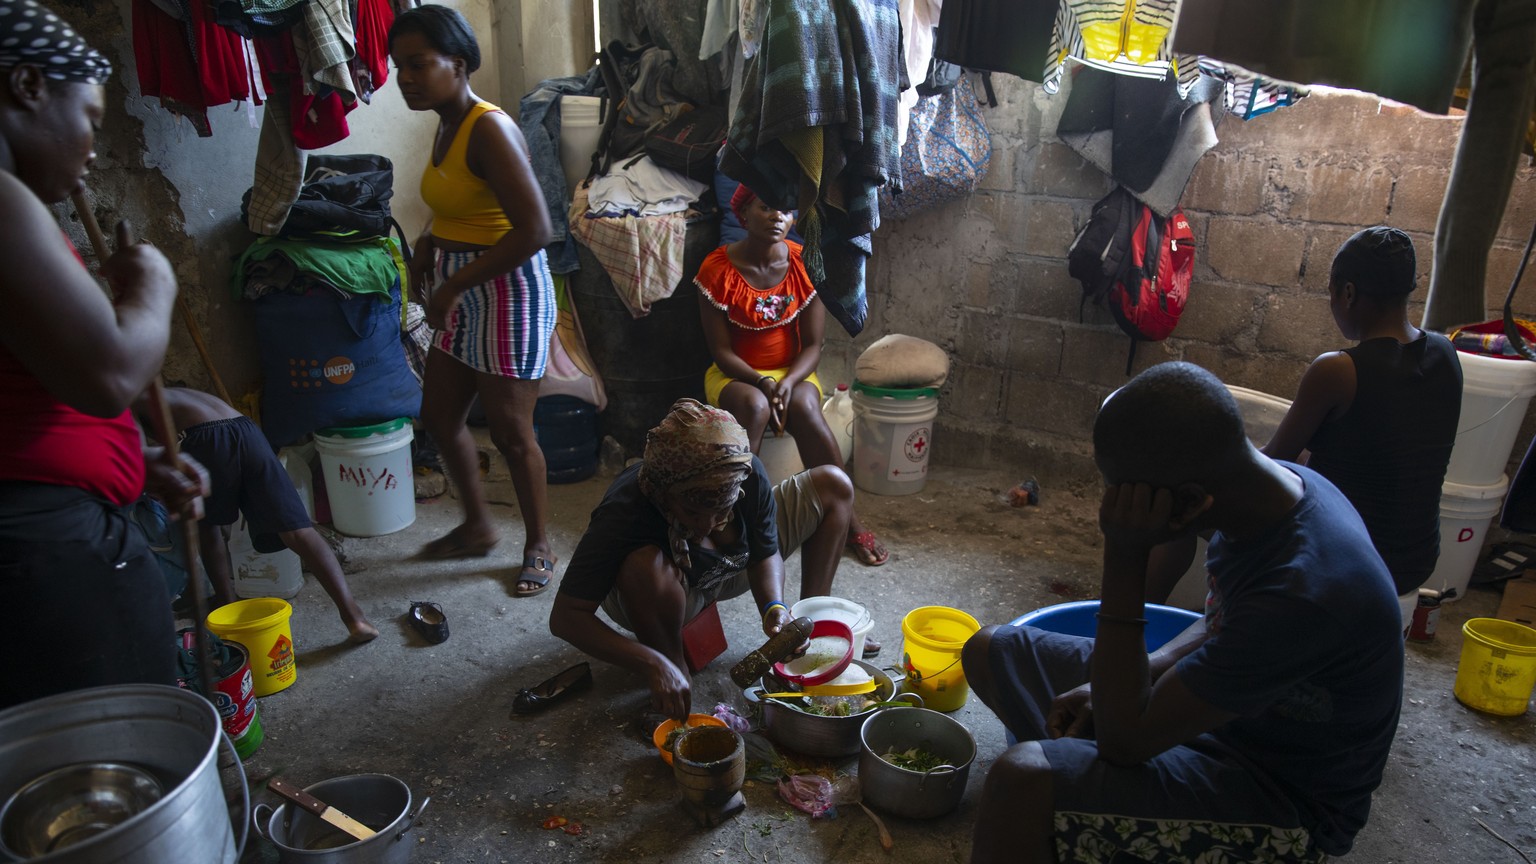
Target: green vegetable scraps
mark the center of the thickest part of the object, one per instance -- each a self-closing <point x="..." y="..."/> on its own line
<point x="916" y="759"/>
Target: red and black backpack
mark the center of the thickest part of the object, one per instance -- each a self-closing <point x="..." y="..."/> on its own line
<point x="1136" y="263"/>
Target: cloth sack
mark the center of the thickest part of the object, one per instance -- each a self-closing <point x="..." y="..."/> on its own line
<point x="331" y="359"/>
<point x="948" y="151"/>
<point x="902" y="362"/>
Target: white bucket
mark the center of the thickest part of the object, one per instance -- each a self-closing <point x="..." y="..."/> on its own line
<point x="262" y="574"/>
<point x="367" y="473"/>
<point x="780" y="455"/>
<point x="892" y="435"/>
<point x="1494" y="395"/>
<point x="837" y="609"/>
<point x="1262" y="414"/>
<point x="581" y="124"/>
<point x="1465" y="512"/>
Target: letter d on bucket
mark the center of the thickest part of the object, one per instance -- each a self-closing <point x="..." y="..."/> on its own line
<point x="261" y="625"/>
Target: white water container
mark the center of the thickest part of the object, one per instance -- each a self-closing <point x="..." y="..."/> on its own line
<point x="1465" y="513"/>
<point x="838" y="411"/>
<point x="296" y="461"/>
<point x="780" y="455"/>
<point x="892" y="435"/>
<point x="1262" y="414"/>
<point x="368" y="478"/>
<point x="581" y="123"/>
<point x="262" y="574"/>
<point x="855" y="616"/>
<point x="1495" y="393"/>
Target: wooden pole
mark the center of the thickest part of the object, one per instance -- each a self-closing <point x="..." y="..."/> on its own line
<point x="165" y="430"/>
<point x="202" y="348"/>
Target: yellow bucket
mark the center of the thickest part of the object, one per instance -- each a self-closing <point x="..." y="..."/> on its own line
<point x="932" y="639"/>
<point x="261" y="625"/>
<point x="1498" y="666"/>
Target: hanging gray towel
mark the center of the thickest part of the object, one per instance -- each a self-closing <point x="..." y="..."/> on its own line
<point x="1138" y="130"/>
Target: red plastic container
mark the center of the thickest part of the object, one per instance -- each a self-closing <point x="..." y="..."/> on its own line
<point x="703" y="639"/>
<point x="824" y="627"/>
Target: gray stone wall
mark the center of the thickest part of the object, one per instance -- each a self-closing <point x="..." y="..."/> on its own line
<point x="986" y="277"/>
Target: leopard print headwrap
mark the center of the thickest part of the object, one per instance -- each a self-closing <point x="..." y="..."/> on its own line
<point x="698" y="453"/>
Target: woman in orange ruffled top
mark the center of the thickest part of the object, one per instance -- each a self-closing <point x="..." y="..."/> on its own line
<point x="764" y="325"/>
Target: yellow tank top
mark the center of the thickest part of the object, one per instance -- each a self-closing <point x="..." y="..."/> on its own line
<point x="464" y="208"/>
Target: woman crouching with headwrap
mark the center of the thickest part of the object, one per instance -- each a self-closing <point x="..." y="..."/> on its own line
<point x="696" y="521"/>
<point x="90" y="604"/>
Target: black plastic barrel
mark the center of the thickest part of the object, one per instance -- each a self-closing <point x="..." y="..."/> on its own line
<point x="566" y="429"/>
<point x="646" y="363"/>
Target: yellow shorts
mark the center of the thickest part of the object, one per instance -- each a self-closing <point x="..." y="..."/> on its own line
<point x="715" y="381"/>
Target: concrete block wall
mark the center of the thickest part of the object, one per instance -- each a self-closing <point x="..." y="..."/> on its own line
<point x="986" y="278"/>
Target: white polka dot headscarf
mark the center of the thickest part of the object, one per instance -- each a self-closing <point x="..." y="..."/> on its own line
<point x="29" y="33"/>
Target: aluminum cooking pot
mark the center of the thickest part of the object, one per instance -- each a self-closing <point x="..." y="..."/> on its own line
<point x="375" y="800"/>
<point x="915" y="794"/>
<point x="815" y="735"/>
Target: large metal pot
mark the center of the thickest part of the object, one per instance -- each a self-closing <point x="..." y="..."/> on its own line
<point x="170" y="733"/>
<point x="379" y="801"/>
<point x="915" y="794"/>
<point x="814" y="735"/>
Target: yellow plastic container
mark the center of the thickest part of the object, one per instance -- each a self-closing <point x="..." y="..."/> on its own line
<point x="1497" y="671"/>
<point x="261" y="626"/>
<point x="932" y="639"/>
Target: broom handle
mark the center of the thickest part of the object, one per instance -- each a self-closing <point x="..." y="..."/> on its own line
<point x="165" y="430"/>
<point x="202" y="348"/>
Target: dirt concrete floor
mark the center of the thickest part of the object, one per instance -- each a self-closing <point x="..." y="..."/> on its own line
<point x="438" y="717"/>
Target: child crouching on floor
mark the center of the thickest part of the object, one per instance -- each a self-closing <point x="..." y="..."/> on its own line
<point x="247" y="478"/>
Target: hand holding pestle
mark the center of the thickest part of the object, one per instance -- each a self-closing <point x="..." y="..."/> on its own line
<point x="780" y="645"/>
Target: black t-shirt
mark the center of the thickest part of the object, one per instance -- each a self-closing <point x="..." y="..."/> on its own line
<point x="626" y="520"/>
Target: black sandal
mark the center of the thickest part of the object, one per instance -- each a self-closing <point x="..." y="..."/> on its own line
<point x="537" y="569"/>
<point x="554" y="690"/>
<point x="427" y="618"/>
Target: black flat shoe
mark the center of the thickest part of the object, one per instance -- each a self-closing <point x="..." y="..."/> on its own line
<point x="556" y="689"/>
<point x="428" y="619"/>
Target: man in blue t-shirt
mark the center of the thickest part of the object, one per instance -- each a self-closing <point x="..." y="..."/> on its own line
<point x="1257" y="734"/>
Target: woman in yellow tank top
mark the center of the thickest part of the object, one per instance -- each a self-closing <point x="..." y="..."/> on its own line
<point x="480" y="269"/>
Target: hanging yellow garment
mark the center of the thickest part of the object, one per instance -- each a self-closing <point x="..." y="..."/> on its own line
<point x="1123" y="36"/>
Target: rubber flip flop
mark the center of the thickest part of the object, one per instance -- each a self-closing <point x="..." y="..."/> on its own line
<point x="864" y="543"/>
<point x="1505" y="561"/>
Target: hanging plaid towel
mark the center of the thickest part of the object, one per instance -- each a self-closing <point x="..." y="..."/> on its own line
<point x="947" y="153"/>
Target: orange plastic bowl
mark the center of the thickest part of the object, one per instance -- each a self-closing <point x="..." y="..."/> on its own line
<point x="659" y="737"/>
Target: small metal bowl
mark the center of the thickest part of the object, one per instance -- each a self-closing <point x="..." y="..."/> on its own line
<point x="72" y="804"/>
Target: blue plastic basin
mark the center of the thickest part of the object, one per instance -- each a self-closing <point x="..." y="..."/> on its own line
<point x="1076" y="619"/>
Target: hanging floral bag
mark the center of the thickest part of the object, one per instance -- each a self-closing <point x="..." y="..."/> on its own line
<point x="947" y="153"/>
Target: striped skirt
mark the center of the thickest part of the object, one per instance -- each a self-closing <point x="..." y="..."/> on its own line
<point x="501" y="327"/>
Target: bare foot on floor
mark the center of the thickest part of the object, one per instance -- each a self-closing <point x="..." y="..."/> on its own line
<point x="465" y="541"/>
<point x="361" y="631"/>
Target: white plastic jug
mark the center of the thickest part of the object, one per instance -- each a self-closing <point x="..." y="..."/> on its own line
<point x="296" y="460"/>
<point x="838" y="411"/>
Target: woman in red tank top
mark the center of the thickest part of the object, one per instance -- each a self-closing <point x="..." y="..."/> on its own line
<point x="93" y="604"/>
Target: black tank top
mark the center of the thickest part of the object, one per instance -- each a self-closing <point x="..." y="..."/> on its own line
<point x="1389" y="451"/>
